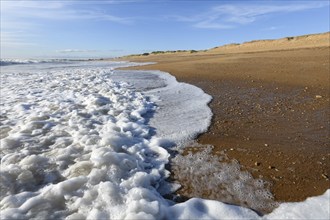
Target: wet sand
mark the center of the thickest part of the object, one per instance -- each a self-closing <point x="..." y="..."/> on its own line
<point x="271" y="112"/>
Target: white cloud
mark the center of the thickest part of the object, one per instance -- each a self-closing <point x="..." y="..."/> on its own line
<point x="88" y="51"/>
<point x="243" y="14"/>
<point x="209" y="24"/>
<point x="56" y="10"/>
<point x="272" y="28"/>
<point x="14" y="5"/>
<point x="75" y="51"/>
<point x="15" y="39"/>
<point x="232" y="15"/>
<point x="20" y="19"/>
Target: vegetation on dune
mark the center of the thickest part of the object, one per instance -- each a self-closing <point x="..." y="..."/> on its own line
<point x="170" y="51"/>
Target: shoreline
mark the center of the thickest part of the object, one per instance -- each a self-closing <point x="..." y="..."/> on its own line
<point x="268" y="112"/>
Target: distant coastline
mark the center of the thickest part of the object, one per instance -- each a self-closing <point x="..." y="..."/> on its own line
<point x="286" y="43"/>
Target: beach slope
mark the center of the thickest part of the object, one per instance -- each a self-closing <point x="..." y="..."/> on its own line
<point x="270" y="105"/>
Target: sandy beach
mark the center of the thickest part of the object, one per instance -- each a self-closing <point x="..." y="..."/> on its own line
<point x="271" y="109"/>
<point x="165" y="109"/>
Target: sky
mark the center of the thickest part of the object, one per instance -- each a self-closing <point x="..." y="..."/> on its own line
<point x="110" y="28"/>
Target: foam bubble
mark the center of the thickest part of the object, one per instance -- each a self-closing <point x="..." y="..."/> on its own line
<point x="222" y="180"/>
<point x="68" y="128"/>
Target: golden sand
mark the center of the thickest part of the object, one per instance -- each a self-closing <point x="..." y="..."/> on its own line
<point x="271" y="108"/>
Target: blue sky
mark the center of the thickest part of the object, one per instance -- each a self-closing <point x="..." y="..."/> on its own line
<point x="107" y="28"/>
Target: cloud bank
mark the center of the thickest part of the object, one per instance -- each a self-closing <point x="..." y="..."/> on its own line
<point x="233" y="15"/>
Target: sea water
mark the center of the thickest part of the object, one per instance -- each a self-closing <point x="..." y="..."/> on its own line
<point x="81" y="140"/>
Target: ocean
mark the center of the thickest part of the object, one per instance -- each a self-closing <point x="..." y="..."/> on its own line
<point x="84" y="140"/>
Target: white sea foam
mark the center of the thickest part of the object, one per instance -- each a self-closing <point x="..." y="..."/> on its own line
<point x="5" y="62"/>
<point x="78" y="143"/>
<point x="182" y="109"/>
<point x="75" y="144"/>
<point x="313" y="208"/>
<point x="221" y="180"/>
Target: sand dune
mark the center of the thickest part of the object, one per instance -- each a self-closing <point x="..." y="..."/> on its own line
<point x="287" y="43"/>
<point x="305" y="41"/>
